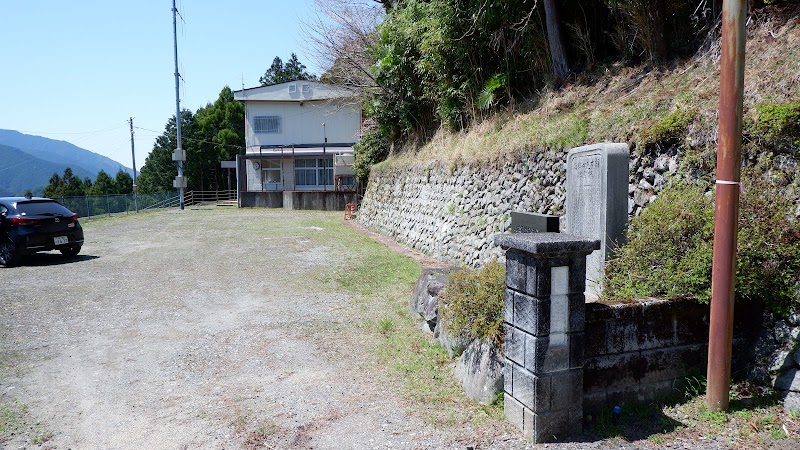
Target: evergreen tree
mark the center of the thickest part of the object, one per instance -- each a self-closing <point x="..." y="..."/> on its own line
<point x="123" y="182"/>
<point x="68" y="185"/>
<point x="214" y="133"/>
<point x="103" y="184"/>
<point x="279" y="72"/>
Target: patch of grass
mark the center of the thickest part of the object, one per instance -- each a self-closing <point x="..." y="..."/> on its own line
<point x="379" y="282"/>
<point x="564" y="131"/>
<point x="95" y="221"/>
<point x="755" y="419"/>
<point x="268" y="428"/>
<point x="605" y="427"/>
<point x="385" y="325"/>
<point x="42" y="437"/>
<point x="13" y="419"/>
<point x="10" y="364"/>
<point x="239" y="424"/>
<point x="715" y="418"/>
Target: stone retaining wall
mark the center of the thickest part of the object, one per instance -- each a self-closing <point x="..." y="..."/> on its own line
<point x="452" y="213"/>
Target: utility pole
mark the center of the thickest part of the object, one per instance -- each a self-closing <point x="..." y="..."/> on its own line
<point x="726" y="207"/>
<point x="180" y="154"/>
<point x="133" y="157"/>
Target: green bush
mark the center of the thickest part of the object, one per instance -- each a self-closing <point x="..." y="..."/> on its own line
<point x="669" y="247"/>
<point x="472" y="303"/>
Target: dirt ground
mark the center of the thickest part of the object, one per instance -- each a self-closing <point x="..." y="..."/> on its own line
<point x="214" y="329"/>
<point x="193" y="330"/>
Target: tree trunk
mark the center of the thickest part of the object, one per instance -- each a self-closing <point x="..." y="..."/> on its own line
<point x="557" y="55"/>
<point x="660" y="41"/>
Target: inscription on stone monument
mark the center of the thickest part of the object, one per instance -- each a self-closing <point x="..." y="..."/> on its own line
<point x="597" y="202"/>
<point x="586" y="202"/>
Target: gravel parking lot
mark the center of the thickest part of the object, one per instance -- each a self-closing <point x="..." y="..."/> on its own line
<point x="216" y="328"/>
<point x="210" y="328"/>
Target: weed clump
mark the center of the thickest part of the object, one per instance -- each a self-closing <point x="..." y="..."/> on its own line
<point x="671" y="127"/>
<point x="472" y="303"/>
<point x="775" y="126"/>
<point x="669" y="247"/>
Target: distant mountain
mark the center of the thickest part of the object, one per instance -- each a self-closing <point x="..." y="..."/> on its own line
<point x="20" y="171"/>
<point x="62" y="153"/>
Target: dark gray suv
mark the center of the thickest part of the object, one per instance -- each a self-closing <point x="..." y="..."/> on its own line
<point x="35" y="224"/>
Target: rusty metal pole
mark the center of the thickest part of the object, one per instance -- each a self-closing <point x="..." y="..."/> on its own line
<point x="726" y="209"/>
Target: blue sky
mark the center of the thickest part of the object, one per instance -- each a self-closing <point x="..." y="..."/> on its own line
<point x="76" y="71"/>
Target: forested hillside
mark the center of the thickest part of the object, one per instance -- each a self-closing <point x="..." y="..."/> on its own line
<point x="494" y="77"/>
<point x="461" y="178"/>
<point x="21" y="172"/>
<point x="62" y="153"/>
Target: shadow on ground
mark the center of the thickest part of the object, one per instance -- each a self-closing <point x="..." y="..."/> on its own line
<point x="53" y="259"/>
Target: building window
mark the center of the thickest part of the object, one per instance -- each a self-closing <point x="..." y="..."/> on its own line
<point x="313" y="172"/>
<point x="292" y="88"/>
<point x="306" y="88"/>
<point x="271" y="171"/>
<point x="267" y="124"/>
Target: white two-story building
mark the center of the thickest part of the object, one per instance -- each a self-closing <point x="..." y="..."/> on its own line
<point x="299" y="137"/>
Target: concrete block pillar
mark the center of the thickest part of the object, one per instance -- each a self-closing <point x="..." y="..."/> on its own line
<point x="544" y="320"/>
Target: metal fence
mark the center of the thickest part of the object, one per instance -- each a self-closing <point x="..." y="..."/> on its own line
<point x="98" y="205"/>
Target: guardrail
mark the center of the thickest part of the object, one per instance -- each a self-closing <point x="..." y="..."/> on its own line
<point x="201" y="197"/>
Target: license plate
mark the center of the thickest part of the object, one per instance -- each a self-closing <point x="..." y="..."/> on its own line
<point x="59" y="240"/>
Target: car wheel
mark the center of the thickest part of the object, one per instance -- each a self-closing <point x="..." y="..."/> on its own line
<point x="9" y="256"/>
<point x="71" y="252"/>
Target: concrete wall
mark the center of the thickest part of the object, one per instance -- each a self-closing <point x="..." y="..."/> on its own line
<point x="320" y="201"/>
<point x="302" y="123"/>
<point x="641" y="351"/>
<point x="261" y="199"/>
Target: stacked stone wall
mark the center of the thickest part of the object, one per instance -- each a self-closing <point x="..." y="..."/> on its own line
<point x="452" y="212"/>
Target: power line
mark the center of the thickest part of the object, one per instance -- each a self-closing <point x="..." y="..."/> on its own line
<point x="193" y="139"/>
<point x="73" y="132"/>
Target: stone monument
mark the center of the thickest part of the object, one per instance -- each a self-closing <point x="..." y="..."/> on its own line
<point x="597" y="202"/>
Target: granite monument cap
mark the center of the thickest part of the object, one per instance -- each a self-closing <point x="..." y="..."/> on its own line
<point x="547" y="243"/>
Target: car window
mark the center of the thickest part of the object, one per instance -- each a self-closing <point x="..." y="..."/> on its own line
<point x="37" y="208"/>
<point x="3" y="209"/>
